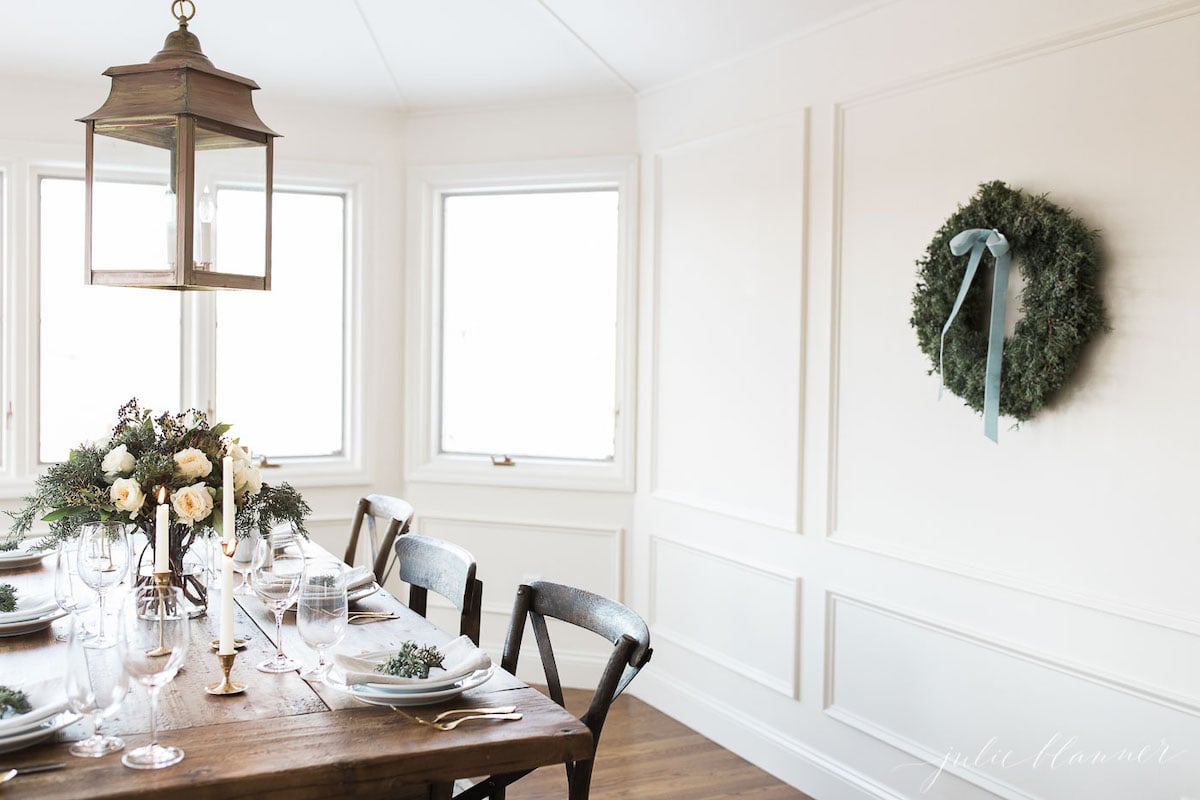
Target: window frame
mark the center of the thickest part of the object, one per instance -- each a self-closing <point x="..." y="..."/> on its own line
<point x="20" y="382"/>
<point x="427" y="188"/>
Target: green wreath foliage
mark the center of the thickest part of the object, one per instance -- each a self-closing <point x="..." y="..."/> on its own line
<point x="1061" y="307"/>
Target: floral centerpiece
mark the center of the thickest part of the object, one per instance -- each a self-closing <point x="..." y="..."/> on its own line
<point x="177" y="457"/>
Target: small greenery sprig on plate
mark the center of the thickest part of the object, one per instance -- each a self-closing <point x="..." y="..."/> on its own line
<point x="8" y="597"/>
<point x="412" y="661"/>
<point x="13" y="702"/>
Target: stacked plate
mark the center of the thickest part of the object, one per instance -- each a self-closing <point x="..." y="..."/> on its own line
<point x="23" y="556"/>
<point x="417" y="694"/>
<point x="33" y="613"/>
<point x="49" y="714"/>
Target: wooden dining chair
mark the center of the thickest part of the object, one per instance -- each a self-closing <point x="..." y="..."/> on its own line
<point x="393" y="515"/>
<point x="428" y="564"/>
<point x="631" y="651"/>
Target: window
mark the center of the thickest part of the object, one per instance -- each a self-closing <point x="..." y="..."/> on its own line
<point x="281" y="352"/>
<point x="529" y="304"/>
<point x="273" y="363"/>
<point x="99" y="345"/>
<point x="526" y="304"/>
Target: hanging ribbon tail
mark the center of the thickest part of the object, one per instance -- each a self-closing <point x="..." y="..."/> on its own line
<point x="998" y="246"/>
<point x="975" y="241"/>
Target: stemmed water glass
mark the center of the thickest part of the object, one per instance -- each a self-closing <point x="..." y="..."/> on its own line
<point x="69" y="590"/>
<point x="96" y="684"/>
<point x="243" y="563"/>
<point x="275" y="577"/>
<point x="321" y="612"/>
<point x="103" y="562"/>
<point x="153" y="641"/>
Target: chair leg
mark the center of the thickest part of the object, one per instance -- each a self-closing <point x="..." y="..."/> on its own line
<point x="580" y="780"/>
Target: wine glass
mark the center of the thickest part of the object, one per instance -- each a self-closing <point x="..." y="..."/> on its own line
<point x="153" y="640"/>
<point x="275" y="577"/>
<point x="243" y="563"/>
<point x="103" y="562"/>
<point x="96" y="684"/>
<point x="321" y="612"/>
<point x="70" y="592"/>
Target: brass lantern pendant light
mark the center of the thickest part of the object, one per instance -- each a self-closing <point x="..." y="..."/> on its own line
<point x="177" y="138"/>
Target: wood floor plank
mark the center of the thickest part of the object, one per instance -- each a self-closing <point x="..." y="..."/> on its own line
<point x="646" y="755"/>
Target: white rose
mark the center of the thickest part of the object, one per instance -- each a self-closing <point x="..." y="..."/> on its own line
<point x="119" y="460"/>
<point x="192" y="503"/>
<point x="192" y="463"/>
<point x="246" y="477"/>
<point x="126" y="495"/>
<point x="238" y="453"/>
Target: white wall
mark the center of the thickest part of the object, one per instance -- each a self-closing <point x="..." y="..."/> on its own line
<point x="843" y="576"/>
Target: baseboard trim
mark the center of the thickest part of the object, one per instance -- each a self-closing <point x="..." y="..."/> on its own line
<point x="791" y="761"/>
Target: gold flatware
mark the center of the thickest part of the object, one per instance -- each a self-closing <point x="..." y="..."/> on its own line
<point x="449" y="726"/>
<point x="5" y="777"/>
<point x="452" y="712"/>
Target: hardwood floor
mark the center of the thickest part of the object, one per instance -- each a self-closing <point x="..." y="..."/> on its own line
<point x="646" y="755"/>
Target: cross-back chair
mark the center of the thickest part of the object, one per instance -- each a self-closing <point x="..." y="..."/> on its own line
<point x="391" y="514"/>
<point x="428" y="564"/>
<point x="631" y="651"/>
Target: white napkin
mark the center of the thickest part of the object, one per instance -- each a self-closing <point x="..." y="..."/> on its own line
<point x="29" y="609"/>
<point x="358" y="577"/>
<point x="460" y="658"/>
<point x="47" y="698"/>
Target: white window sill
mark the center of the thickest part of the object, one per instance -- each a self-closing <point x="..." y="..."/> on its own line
<point x="593" y="476"/>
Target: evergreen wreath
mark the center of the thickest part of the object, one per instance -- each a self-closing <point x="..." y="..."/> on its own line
<point x="1061" y="307"/>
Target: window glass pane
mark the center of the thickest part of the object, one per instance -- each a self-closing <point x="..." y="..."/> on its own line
<point x="280" y="353"/>
<point x="529" y="324"/>
<point x="99" y="345"/>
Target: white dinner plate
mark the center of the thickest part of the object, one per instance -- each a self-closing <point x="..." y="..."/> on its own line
<point x="31" y="737"/>
<point x="30" y="625"/>
<point x="417" y="698"/>
<point x="46" y="698"/>
<point x="354" y="595"/>
<point x="23" y="556"/>
<point x="433" y="685"/>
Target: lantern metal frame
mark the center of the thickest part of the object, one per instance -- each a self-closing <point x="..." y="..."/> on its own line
<point x="179" y="91"/>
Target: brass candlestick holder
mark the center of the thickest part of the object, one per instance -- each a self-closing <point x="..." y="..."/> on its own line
<point x="225" y="685"/>
<point x="162" y="581"/>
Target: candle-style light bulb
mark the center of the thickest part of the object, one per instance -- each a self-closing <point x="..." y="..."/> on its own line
<point x="206" y="211"/>
<point x="170" y="207"/>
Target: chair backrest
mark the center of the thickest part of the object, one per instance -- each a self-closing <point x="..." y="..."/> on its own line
<point x="428" y="564"/>
<point x="391" y="514"/>
<point x="631" y="651"/>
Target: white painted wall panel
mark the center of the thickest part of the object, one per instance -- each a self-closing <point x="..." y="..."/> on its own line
<point x="1083" y="486"/>
<point x="996" y="717"/>
<point x="730" y="234"/>
<point x="742" y="617"/>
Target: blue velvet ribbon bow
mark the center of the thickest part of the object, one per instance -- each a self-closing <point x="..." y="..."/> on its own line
<point x="976" y="240"/>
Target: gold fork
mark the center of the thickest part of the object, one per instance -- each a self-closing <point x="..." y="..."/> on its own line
<point x="449" y="726"/>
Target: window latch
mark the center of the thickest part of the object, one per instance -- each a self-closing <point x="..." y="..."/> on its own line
<point x="503" y="461"/>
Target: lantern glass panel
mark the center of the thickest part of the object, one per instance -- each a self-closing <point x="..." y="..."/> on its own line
<point x="235" y="173"/>
<point x="133" y="210"/>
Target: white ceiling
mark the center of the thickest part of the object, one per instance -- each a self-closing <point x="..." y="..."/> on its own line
<point x="414" y="54"/>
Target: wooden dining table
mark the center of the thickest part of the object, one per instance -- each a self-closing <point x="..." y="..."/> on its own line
<point x="284" y="737"/>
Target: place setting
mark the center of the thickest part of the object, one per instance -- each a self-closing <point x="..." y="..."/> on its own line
<point x="25" y="553"/>
<point x="412" y="675"/>
<point x="32" y="712"/>
<point x="22" y="613"/>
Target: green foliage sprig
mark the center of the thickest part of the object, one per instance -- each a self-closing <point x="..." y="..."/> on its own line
<point x="140" y="456"/>
<point x="1061" y="307"/>
<point x="8" y="597"/>
<point x="412" y="661"/>
<point x="13" y="702"/>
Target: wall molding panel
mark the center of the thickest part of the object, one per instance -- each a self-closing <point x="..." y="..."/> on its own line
<point x="788" y="516"/>
<point x="976" y="640"/>
<point x="669" y="620"/>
